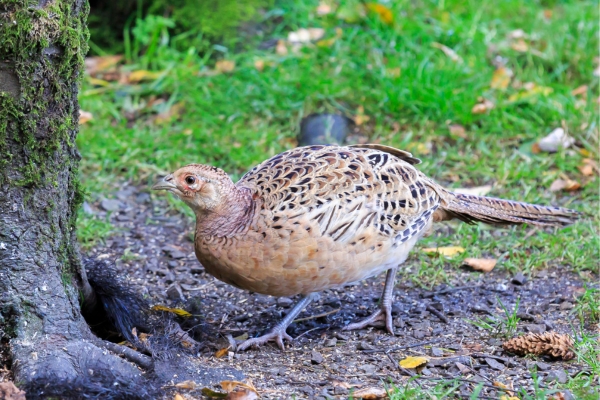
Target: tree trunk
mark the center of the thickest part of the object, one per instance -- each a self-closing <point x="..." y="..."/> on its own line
<point x="42" y="48"/>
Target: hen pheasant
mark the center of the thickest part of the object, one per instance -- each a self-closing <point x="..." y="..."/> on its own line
<point x="318" y="217"/>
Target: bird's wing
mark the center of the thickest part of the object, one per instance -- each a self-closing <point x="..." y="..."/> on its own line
<point x="346" y="190"/>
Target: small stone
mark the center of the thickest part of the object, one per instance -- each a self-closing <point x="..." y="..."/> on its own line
<point x="340" y="391"/>
<point x="558" y="375"/>
<point x="566" y="305"/>
<point x="542" y="366"/>
<point x="284" y="302"/>
<point x="174" y="292"/>
<point x="368" y="368"/>
<point x="87" y="208"/>
<point x="567" y="395"/>
<point x="494" y="342"/>
<point x="364" y="346"/>
<point x="399" y="322"/>
<point x="316" y="357"/>
<point x="426" y="372"/>
<point x="173" y="264"/>
<point x="494" y="364"/>
<point x="501" y="287"/>
<point x="418" y="334"/>
<point x="518" y="279"/>
<point x="330" y="342"/>
<point x="462" y="368"/>
<point x="110" y="205"/>
<point x="142" y="198"/>
<point x="341" y="336"/>
<point x="536" y="328"/>
<point x="307" y="390"/>
<point x="437" y="352"/>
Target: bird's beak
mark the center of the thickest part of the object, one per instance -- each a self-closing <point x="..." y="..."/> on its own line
<point x="165" y="184"/>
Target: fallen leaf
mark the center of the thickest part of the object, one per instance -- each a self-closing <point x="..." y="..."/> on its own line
<point x="9" y="391"/>
<point x="225" y="66"/>
<point x="142" y="75"/>
<point x="172" y="112"/>
<point x="222" y="352"/>
<point x="476" y="191"/>
<point x="589" y="167"/>
<point x="385" y="14"/>
<point x="505" y="397"/>
<point x="448" y="52"/>
<point x="329" y="42"/>
<point x="581" y="90"/>
<point x="242" y="337"/>
<point x="303" y="35"/>
<point x="177" y="311"/>
<point x="501" y="78"/>
<point x="516" y="34"/>
<point x="178" y="397"/>
<point x="519" y="45"/>
<point x="351" y="12"/>
<point x="98" y="64"/>
<point x="531" y="91"/>
<point x="229" y="386"/>
<point x="84" y="117"/>
<point x="556" y="139"/>
<point x="480" y="264"/>
<point x="370" y="393"/>
<point x="567" y="185"/>
<point x="186" y="385"/>
<point x="483" y="105"/>
<point x="393" y="72"/>
<point x="281" y="48"/>
<point x="211" y="393"/>
<point x="360" y="117"/>
<point x="324" y="8"/>
<point x="458" y="130"/>
<point x="449" y="251"/>
<point x="412" y="362"/>
<point x="547" y="14"/>
<point x="242" y="394"/>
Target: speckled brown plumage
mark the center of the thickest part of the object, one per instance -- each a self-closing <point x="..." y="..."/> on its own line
<point x="318" y="217"/>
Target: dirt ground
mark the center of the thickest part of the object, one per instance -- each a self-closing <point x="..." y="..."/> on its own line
<point x="155" y="251"/>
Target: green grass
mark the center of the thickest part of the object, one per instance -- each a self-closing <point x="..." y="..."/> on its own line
<point x="410" y="90"/>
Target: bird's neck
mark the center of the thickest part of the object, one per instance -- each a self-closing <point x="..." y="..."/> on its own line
<point x="233" y="215"/>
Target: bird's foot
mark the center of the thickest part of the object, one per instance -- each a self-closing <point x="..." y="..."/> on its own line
<point x="383" y="314"/>
<point x="277" y="334"/>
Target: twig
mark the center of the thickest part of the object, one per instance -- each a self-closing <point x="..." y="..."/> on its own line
<point x="310" y="330"/>
<point x="137" y="358"/>
<point x="438" y="314"/>
<point x="402" y="347"/>
<point x="317" y="316"/>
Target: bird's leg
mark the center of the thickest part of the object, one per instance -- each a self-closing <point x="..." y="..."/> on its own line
<point x="385" y="311"/>
<point x="278" y="332"/>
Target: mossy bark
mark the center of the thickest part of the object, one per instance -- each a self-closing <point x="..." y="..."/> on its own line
<point x="42" y="48"/>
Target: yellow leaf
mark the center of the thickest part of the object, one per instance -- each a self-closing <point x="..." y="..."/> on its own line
<point x="177" y="311"/>
<point x="222" y="352"/>
<point x="360" y="117"/>
<point x="142" y="75"/>
<point x="84" y="117"/>
<point x="211" y="393"/>
<point x="531" y="90"/>
<point x="329" y="42"/>
<point x="99" y="82"/>
<point x="450" y="251"/>
<point x="501" y="78"/>
<point x="225" y="66"/>
<point x="385" y="14"/>
<point x="412" y="362"/>
<point x="229" y="386"/>
<point x="480" y="264"/>
<point x="393" y="72"/>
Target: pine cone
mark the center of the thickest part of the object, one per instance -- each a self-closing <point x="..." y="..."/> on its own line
<point x="549" y="344"/>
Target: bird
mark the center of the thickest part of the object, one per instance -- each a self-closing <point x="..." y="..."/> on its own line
<point x="323" y="216"/>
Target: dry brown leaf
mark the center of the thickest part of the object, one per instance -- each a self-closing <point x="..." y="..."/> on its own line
<point x="95" y="65"/>
<point x="178" y="397"/>
<point x="476" y="191"/>
<point x="172" y="112"/>
<point x="142" y="75"/>
<point x="483" y="105"/>
<point x="581" y="90"/>
<point x="501" y="78"/>
<point x="519" y="45"/>
<point x="480" y="264"/>
<point x="385" y="14"/>
<point x="85" y="116"/>
<point x="241" y="394"/>
<point x="8" y="391"/>
<point x="324" y="8"/>
<point x="554" y="140"/>
<point x="393" y="72"/>
<point x="222" y="352"/>
<point x="589" y="167"/>
<point x="370" y="393"/>
<point x="548" y="14"/>
<point x="449" y="251"/>
<point x="458" y="130"/>
<point x="225" y="66"/>
<point x="567" y="185"/>
<point x="448" y="52"/>
<point x="281" y="48"/>
<point x="413" y="362"/>
<point x="259" y="65"/>
<point x="229" y="386"/>
<point x="186" y="385"/>
<point x="360" y="117"/>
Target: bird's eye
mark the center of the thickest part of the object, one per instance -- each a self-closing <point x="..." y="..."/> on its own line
<point x="190" y="180"/>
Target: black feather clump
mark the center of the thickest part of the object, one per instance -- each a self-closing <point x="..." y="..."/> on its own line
<point x="116" y="308"/>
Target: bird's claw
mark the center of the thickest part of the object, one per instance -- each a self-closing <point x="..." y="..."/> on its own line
<point x="277" y="334"/>
<point x="379" y="315"/>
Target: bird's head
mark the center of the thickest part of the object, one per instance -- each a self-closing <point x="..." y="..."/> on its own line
<point x="201" y="187"/>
